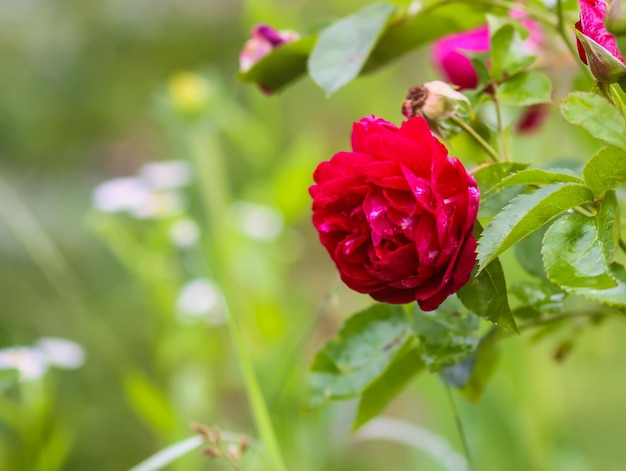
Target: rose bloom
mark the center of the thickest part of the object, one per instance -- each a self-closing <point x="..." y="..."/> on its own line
<point x="397" y="214"/>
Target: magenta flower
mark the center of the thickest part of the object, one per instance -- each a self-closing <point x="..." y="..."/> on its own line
<point x="596" y="46"/>
<point x="263" y="41"/>
<point x="449" y="55"/>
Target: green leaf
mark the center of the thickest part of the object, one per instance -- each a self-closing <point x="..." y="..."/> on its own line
<point x="343" y="47"/>
<point x="149" y="402"/>
<point x="385" y="387"/>
<point x="446" y="334"/>
<point x="487" y="176"/>
<point x="574" y="258"/>
<point x="605" y="170"/>
<point x="485" y="295"/>
<point x="535" y="176"/>
<point x="525" y="89"/>
<point x="527" y="213"/>
<point x="509" y="55"/>
<point x="543" y="297"/>
<point x="574" y="255"/>
<point x="528" y="253"/>
<point x="367" y="343"/>
<point x="170" y="454"/>
<point x="282" y="66"/>
<point x="596" y="116"/>
<point x="609" y="225"/>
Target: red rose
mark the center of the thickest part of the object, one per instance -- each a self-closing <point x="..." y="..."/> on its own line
<point x="397" y="214"/>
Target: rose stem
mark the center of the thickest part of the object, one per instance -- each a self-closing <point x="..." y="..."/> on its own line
<point x="459" y="425"/>
<point x="493" y="155"/>
<point x="208" y="159"/>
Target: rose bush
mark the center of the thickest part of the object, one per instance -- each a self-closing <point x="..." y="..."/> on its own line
<point x="397" y="214"/>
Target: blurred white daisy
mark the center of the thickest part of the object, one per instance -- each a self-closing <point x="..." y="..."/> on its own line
<point x="120" y="194"/>
<point x="33" y="362"/>
<point x="184" y="233"/>
<point x="257" y="221"/>
<point x="165" y="175"/>
<point x="28" y="361"/>
<point x="61" y="353"/>
<point x="201" y="298"/>
<point x="158" y="204"/>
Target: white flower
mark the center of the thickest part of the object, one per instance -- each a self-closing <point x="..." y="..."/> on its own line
<point x="184" y="233"/>
<point x="61" y="352"/>
<point x="33" y="362"/>
<point x="158" y="204"/>
<point x="257" y="221"/>
<point x="120" y="194"/>
<point x="28" y="361"/>
<point x="165" y="175"/>
<point x="201" y="298"/>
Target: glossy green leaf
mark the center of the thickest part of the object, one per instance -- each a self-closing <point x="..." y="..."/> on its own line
<point x="343" y="47"/>
<point x="536" y="176"/>
<point x="509" y="55"/>
<point x="544" y="297"/>
<point x="282" y="66"/>
<point x="605" y="170"/>
<point x="609" y="224"/>
<point x="527" y="213"/>
<point x="525" y="89"/>
<point x="487" y="176"/>
<point x="385" y="387"/>
<point x="596" y="116"/>
<point x="486" y="296"/>
<point x="573" y="254"/>
<point x="366" y="345"/>
<point x="528" y="253"/>
<point x="447" y="335"/>
<point x="574" y="258"/>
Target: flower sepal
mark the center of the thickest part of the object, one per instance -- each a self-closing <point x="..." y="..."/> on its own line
<point x="604" y="66"/>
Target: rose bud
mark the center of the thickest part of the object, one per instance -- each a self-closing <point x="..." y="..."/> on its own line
<point x="263" y="41"/>
<point x="396" y="214"/>
<point x="615" y="19"/>
<point x="596" y="46"/>
<point x="435" y="101"/>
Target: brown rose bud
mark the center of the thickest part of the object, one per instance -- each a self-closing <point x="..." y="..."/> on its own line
<point x="435" y="101"/>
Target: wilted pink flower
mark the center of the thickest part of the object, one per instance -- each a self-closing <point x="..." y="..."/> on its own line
<point x="263" y="41"/>
<point x="596" y="46"/>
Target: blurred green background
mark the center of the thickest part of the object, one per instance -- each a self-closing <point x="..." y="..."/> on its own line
<point x="93" y="91"/>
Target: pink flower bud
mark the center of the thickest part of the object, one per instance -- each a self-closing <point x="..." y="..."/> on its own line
<point x="263" y="41"/>
<point x="596" y="46"/>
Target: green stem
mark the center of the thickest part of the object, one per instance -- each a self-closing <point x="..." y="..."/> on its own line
<point x="491" y="152"/>
<point x="459" y="426"/>
<point x="208" y="159"/>
<point x="502" y="134"/>
<point x="622" y="245"/>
